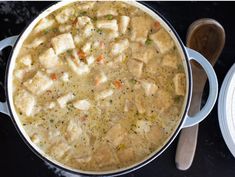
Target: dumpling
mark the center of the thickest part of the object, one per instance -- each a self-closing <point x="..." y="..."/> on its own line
<point x="170" y="60"/>
<point x="140" y="28"/>
<point x="106" y="9"/>
<point x="104" y="155"/>
<point x="119" y="47"/>
<point x="82" y="105"/>
<point x="39" y="83"/>
<point x="25" y="102"/>
<point x="115" y="135"/>
<point x="44" y="24"/>
<point x="135" y="67"/>
<point x="123" y="24"/>
<point x="64" y="15"/>
<point x="142" y="53"/>
<point x="62" y="43"/>
<point x="48" y="59"/>
<point x="107" y="24"/>
<point x="179" y="82"/>
<point x="162" y="40"/>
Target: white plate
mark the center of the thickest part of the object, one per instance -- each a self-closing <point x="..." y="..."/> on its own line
<point x="226" y="109"/>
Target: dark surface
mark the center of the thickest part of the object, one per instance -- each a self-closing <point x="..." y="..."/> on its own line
<point x="212" y="158"/>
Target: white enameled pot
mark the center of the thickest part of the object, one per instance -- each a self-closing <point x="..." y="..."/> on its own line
<point x="186" y="121"/>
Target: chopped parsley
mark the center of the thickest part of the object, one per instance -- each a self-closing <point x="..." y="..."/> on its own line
<point x="83" y="13"/>
<point x="148" y="41"/>
<point x="109" y="17"/>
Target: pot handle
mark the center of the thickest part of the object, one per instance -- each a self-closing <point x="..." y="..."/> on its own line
<point x="213" y="91"/>
<point x="10" y="41"/>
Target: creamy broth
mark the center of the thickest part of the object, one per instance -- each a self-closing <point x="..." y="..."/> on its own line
<point x="99" y="85"/>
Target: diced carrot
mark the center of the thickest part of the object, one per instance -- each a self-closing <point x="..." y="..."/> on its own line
<point x="102" y="45"/>
<point x="157" y="25"/>
<point x="53" y="76"/>
<point x="100" y="58"/>
<point x="81" y="55"/>
<point x="97" y="81"/>
<point x="117" y="84"/>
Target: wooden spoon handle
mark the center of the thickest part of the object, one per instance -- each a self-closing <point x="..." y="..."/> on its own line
<point x="186" y="147"/>
<point x="206" y="36"/>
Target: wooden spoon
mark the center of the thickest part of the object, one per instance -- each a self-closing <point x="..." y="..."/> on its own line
<point x="206" y="36"/>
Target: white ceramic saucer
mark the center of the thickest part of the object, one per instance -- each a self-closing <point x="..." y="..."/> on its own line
<point x="226" y="109"/>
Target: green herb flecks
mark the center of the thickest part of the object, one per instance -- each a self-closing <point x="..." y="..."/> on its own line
<point x="148" y="42"/>
<point x="109" y="17"/>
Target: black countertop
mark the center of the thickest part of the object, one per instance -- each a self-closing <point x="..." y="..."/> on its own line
<point x="212" y="158"/>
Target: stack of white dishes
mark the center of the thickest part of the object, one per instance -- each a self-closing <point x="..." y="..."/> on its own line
<point x="226" y="109"/>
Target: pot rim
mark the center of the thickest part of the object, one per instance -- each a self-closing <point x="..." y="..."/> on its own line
<point x="137" y="165"/>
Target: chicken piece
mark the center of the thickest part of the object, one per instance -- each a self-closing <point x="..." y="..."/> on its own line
<point x="104" y="156"/>
<point x="119" y="47"/>
<point x="126" y="155"/>
<point x="65" y="77"/>
<point x="79" y="69"/>
<point x="115" y="135"/>
<point x="135" y="67"/>
<point x="83" y="153"/>
<point x="82" y="105"/>
<point x="50" y="105"/>
<point x="110" y="35"/>
<point x="100" y="78"/>
<point x="86" y="5"/>
<point x="170" y="60"/>
<point x="104" y="94"/>
<point x="83" y="21"/>
<point x="140" y="52"/>
<point x="139" y="103"/>
<point x="59" y="149"/>
<point x="63" y="100"/>
<point x="62" y="43"/>
<point x="123" y="24"/>
<point x="23" y="73"/>
<point x="65" y="28"/>
<point x="74" y="130"/>
<point x="44" y="24"/>
<point x="149" y="86"/>
<point x="106" y="9"/>
<point x="128" y="105"/>
<point x="162" y="40"/>
<point x="138" y="143"/>
<point x="25" y="102"/>
<point x="164" y="100"/>
<point x="153" y="64"/>
<point x="64" y="15"/>
<point x="155" y="134"/>
<point x="107" y="24"/>
<point x="140" y="28"/>
<point x="88" y="30"/>
<point x="180" y="84"/>
<point x="84" y="157"/>
<point x="90" y="59"/>
<point x="39" y="83"/>
<point x="77" y="39"/>
<point x="142" y="126"/>
<point x="37" y="41"/>
<point x="26" y="60"/>
<point x="48" y="59"/>
<point x="86" y="47"/>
